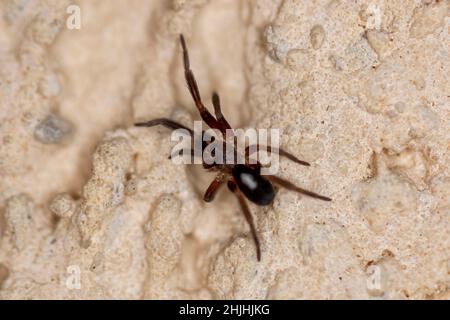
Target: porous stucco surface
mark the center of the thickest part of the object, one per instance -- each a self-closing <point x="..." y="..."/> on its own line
<point x="361" y="89"/>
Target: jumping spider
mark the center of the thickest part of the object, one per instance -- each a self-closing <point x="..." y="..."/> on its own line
<point x="244" y="180"/>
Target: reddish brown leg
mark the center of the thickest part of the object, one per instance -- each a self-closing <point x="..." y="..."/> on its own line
<point x="281" y="152"/>
<point x="218" y="112"/>
<point x="290" y="186"/>
<point x="248" y="216"/>
<point x="213" y="188"/>
<point x="193" y="89"/>
<point x="164" y="122"/>
<point x="192" y="153"/>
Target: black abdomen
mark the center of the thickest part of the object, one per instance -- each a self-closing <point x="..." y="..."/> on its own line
<point x="256" y="188"/>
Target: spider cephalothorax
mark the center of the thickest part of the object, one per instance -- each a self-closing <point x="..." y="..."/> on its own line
<point x="244" y="180"/>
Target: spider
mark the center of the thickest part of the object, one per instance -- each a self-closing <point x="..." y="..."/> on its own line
<point x="243" y="180"/>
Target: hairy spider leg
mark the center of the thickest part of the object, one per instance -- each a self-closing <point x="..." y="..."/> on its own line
<point x="290" y="186"/>
<point x="248" y="216"/>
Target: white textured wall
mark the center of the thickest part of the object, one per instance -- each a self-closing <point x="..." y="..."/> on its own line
<point x="359" y="88"/>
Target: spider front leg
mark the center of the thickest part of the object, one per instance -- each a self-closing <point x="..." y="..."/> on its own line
<point x="218" y="112"/>
<point x="166" y="123"/>
<point x="171" y="125"/>
<point x="247" y="214"/>
<point x="193" y="89"/>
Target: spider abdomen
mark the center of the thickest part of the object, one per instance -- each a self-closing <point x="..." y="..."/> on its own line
<point x="256" y="188"/>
